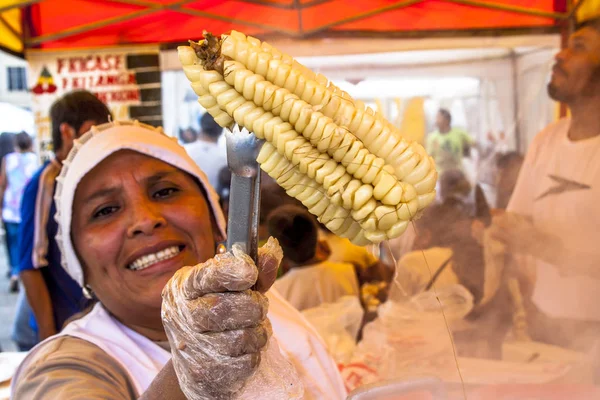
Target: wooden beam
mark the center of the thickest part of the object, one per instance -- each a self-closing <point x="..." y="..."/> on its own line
<point x="565" y="33"/>
<point x="367" y="14"/>
<point x="573" y="8"/>
<point x="20" y="4"/>
<point x="100" y="24"/>
<point x="266" y="3"/>
<point x="313" y="3"/>
<point x="140" y="3"/>
<point x="423" y="34"/>
<point x="298" y="8"/>
<point x="198" y="13"/>
<point x="510" y="8"/>
<point x="266" y="27"/>
<point x="284" y="6"/>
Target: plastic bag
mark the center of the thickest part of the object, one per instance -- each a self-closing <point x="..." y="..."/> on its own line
<point x="338" y="324"/>
<point x="411" y="338"/>
<point x="219" y="332"/>
<point x="275" y="378"/>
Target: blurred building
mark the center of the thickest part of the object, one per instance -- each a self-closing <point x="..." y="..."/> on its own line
<point x="15" y="98"/>
<point x="13" y="81"/>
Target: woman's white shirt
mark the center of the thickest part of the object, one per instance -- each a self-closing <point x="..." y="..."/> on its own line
<point x="142" y="358"/>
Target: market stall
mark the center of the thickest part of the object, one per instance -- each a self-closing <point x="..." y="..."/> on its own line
<point x="496" y="81"/>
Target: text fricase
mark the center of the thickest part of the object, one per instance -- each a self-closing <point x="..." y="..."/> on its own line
<point x="112" y="75"/>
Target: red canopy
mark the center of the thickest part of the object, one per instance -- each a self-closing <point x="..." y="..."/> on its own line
<point x="52" y="24"/>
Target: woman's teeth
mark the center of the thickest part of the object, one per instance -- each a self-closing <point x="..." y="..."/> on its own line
<point x="150" y="259"/>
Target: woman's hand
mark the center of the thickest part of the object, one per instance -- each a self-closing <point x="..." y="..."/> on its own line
<point x="216" y="323"/>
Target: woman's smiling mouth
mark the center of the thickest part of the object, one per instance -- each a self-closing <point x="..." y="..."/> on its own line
<point x="148" y="260"/>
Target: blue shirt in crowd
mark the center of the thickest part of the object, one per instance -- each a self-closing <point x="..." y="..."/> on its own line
<point x="38" y="246"/>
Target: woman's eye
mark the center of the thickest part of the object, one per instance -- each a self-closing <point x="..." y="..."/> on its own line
<point x="165" y="193"/>
<point x="103" y="212"/>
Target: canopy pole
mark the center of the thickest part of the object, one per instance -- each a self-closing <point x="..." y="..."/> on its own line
<point x="100" y="24"/>
<point x="298" y="8"/>
<point x="564" y="42"/>
<point x="566" y="30"/>
<point x="516" y="106"/>
<point x="267" y="3"/>
<point x="509" y="8"/>
<point x="371" y="13"/>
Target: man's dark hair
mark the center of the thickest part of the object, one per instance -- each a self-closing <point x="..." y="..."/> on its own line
<point x="296" y="230"/>
<point x="272" y="196"/>
<point x="209" y="127"/>
<point x="450" y="226"/>
<point x="75" y="108"/>
<point x="506" y="159"/>
<point x="441" y="220"/>
<point x="446" y="114"/>
<point x="7" y="144"/>
<point x="188" y="135"/>
<point x="453" y="182"/>
<point x="24" y="141"/>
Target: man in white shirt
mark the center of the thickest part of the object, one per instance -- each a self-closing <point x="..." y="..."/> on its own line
<point x="311" y="279"/>
<point x="205" y="151"/>
<point x="553" y="216"/>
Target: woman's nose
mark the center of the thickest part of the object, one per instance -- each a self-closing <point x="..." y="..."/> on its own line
<point x="560" y="56"/>
<point x="146" y="217"/>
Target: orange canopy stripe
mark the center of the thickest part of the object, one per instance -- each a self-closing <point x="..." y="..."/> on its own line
<point x="68" y="24"/>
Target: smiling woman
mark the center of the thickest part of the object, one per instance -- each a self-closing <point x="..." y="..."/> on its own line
<point x="139" y="225"/>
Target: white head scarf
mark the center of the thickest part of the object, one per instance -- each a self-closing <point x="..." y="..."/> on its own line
<point x="95" y="146"/>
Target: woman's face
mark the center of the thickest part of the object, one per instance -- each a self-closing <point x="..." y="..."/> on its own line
<point x="137" y="220"/>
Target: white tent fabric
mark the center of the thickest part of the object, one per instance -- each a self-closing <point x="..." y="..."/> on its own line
<point x="493" y="87"/>
<point x="492" y="84"/>
<point x="15" y="119"/>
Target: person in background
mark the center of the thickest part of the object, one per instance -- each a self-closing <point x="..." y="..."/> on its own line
<point x="341" y="250"/>
<point x="205" y="151"/>
<point x="444" y="254"/>
<point x="454" y="185"/>
<point x="16" y="170"/>
<point x="448" y="145"/>
<point x="508" y="166"/>
<point x="53" y="295"/>
<point x="7" y="145"/>
<point x="188" y="135"/>
<point x="222" y="188"/>
<point x="552" y="219"/>
<point x="443" y="236"/>
<point x="310" y="279"/>
<point x="272" y="196"/>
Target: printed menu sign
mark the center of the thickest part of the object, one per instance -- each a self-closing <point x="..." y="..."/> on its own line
<point x="121" y="79"/>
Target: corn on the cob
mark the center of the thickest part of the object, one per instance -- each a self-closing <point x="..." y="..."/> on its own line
<point x="343" y="161"/>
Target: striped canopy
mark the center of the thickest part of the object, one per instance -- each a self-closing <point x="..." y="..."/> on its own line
<point x="70" y="24"/>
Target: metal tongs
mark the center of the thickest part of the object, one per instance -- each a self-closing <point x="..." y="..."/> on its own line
<point x="244" y="194"/>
